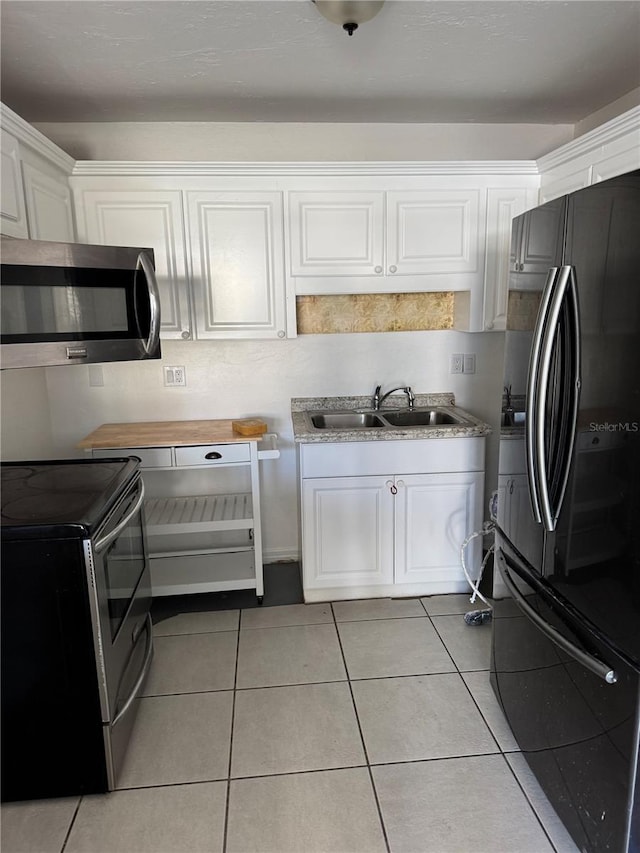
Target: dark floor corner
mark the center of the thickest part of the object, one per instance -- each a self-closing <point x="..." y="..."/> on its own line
<point x="282" y="585"/>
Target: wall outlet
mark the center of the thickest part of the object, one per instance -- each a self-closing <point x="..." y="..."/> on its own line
<point x="96" y="376"/>
<point x="175" y="376"/>
<point x="457" y="363"/>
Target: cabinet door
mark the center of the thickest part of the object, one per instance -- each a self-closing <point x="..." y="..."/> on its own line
<point x="433" y="231"/>
<point x="540" y="238"/>
<point x="236" y="241"/>
<point x="146" y="219"/>
<point x="13" y="214"/>
<point x="503" y="205"/>
<point x="347" y="532"/>
<point x="434" y="515"/>
<point x="48" y="203"/>
<point x="336" y="233"/>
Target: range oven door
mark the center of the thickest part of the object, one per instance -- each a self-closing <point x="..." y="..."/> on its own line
<point x="572" y="703"/>
<point x="120" y="580"/>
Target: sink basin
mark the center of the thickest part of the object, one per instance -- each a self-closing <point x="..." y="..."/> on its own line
<point x="346" y="420"/>
<point x="426" y="417"/>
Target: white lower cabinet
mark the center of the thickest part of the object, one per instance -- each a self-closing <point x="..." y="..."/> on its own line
<point x="389" y="534"/>
<point x="347" y="526"/>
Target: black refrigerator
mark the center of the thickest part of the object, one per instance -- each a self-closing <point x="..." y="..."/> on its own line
<point x="566" y="668"/>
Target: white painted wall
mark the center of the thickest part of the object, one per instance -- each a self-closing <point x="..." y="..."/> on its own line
<point x="24" y="415"/>
<point x="253" y="378"/>
<point x="284" y="141"/>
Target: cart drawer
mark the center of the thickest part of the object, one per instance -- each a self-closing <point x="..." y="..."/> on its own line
<point x="212" y="454"/>
<point x="150" y="457"/>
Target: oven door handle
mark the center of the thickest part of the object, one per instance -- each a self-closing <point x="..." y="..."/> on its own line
<point x="148" y="655"/>
<point x="593" y="664"/>
<point x="113" y="534"/>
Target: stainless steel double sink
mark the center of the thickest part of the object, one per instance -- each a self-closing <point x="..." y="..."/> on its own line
<point x="436" y="416"/>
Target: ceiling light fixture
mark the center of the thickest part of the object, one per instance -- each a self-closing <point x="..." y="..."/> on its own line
<point x="349" y="14"/>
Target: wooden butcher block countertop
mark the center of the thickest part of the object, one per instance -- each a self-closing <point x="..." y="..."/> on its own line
<point x="163" y="434"/>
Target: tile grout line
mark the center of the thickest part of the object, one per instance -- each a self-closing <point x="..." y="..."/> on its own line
<point x="233" y="713"/>
<point x="528" y="799"/>
<point x="71" y="824"/>
<point x="364" y="745"/>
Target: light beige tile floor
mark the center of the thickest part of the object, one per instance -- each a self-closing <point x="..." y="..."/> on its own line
<point x="355" y="727"/>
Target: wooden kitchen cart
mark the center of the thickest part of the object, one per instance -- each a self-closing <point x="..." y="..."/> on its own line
<point x="202" y="505"/>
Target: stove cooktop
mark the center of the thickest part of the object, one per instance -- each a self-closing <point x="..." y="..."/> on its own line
<point x="61" y="492"/>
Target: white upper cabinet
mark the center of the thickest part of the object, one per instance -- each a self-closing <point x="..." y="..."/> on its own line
<point x="605" y="152"/>
<point x="433" y="232"/>
<point x="34" y="184"/>
<point x="503" y="205"/>
<point x="13" y="214"/>
<point x="336" y="233"/>
<point x="535" y="242"/>
<point x="146" y="219"/>
<point x="358" y="241"/>
<point x="236" y="248"/>
<point x="49" y="207"/>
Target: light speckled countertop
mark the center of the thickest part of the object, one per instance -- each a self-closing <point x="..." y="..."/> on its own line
<point x="304" y="431"/>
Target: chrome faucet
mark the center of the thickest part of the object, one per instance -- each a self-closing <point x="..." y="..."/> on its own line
<point x="507" y="409"/>
<point x="379" y="400"/>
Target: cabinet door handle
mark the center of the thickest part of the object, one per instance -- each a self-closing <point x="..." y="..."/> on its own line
<point x="393" y="268"/>
<point x="213" y="455"/>
<point x="377" y="270"/>
<point x="392" y="487"/>
<point x="400" y="483"/>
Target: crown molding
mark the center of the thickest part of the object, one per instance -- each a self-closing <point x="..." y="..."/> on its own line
<point x="38" y="142"/>
<point x="124" y="168"/>
<point x="624" y="124"/>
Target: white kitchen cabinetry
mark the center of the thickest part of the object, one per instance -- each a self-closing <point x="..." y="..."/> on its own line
<point x="373" y="527"/>
<point x="146" y="219"/>
<point x="202" y="512"/>
<point x="49" y="207"/>
<point x="13" y="214"/>
<point x="535" y="242"/>
<point x="236" y="242"/>
<point x="336" y="233"/>
<point x="609" y="150"/>
<point x="34" y="185"/>
<point x="503" y="205"/>
<point x="360" y="241"/>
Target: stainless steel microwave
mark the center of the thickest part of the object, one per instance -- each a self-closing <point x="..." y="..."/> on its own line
<point x="70" y="303"/>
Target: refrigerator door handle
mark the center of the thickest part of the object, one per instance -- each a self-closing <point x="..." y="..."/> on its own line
<point x="563" y="287"/>
<point x="532" y="424"/>
<point x="590" y="662"/>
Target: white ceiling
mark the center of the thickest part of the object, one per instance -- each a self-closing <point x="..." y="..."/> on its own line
<point x="438" y="61"/>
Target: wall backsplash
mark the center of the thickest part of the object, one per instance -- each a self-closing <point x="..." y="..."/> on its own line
<point x="374" y="312"/>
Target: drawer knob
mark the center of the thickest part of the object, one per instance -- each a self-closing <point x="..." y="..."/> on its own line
<point x="213" y="455"/>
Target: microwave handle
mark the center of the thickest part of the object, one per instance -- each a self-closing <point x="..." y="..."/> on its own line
<point x="144" y="262"/>
<point x="108" y="539"/>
